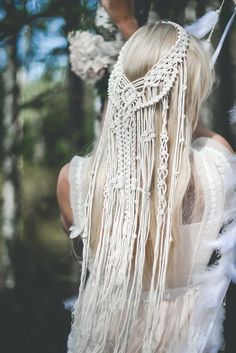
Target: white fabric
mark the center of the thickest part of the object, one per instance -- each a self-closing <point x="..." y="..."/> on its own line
<point x="191" y="315"/>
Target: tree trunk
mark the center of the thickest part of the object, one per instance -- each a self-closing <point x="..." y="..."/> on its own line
<point x="75" y="88"/>
<point x="11" y="186"/>
<point x="76" y="111"/>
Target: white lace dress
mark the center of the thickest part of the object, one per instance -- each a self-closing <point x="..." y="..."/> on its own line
<point x="192" y="313"/>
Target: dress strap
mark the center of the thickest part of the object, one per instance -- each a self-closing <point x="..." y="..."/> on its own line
<point x="77" y="177"/>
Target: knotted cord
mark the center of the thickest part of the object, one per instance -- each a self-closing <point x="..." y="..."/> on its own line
<point x="116" y="281"/>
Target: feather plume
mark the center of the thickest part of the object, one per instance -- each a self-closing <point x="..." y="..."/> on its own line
<point x="215" y="292"/>
<point x="217" y="339"/>
<point x="226" y="243"/>
<point x="229" y="213"/>
<point x="69" y="303"/>
<point x="203" y="25"/>
<point x="233" y="273"/>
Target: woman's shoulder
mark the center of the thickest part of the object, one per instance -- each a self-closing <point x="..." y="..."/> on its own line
<point x="223" y="142"/>
<point x="63" y="180"/>
<point x="213" y="141"/>
<point x="63" y="196"/>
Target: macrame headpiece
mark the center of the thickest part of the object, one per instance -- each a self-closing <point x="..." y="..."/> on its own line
<point x="112" y="293"/>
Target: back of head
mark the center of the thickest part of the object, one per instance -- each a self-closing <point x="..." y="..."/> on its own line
<point x="151" y="43"/>
<point x="148" y="47"/>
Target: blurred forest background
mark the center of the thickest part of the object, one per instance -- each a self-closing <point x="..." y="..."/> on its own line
<point x="47" y="115"/>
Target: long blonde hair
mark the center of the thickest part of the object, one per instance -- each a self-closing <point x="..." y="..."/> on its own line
<point x="143" y="50"/>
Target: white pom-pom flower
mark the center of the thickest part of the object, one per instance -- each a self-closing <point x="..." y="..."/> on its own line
<point x="90" y="55"/>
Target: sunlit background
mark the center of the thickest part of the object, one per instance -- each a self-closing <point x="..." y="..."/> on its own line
<point x="47" y="115"/>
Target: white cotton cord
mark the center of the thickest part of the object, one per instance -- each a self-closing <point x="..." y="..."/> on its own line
<point x="87" y="228"/>
<point x="156" y="290"/>
<point x="113" y="291"/>
<point x="180" y="122"/>
<point x="78" y="311"/>
<point x="166" y="237"/>
<point x="148" y="121"/>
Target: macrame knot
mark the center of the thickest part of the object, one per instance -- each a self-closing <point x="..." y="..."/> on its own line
<point x="161" y="183"/>
<point x="105" y="190"/>
<point x="133" y="184"/>
<point x="128" y="95"/>
<point x="119" y="182"/>
<point x="163" y="167"/>
<point x="113" y="126"/>
<point x="149" y="81"/>
<point x="148" y="135"/>
<point x="146" y="193"/>
<point x="164" y="135"/>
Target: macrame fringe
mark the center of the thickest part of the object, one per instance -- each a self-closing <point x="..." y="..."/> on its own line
<point x="109" y="302"/>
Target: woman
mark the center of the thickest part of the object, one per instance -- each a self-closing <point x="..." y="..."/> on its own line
<point x="152" y="202"/>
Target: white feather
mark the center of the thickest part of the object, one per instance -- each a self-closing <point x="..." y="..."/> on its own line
<point x="233" y="272"/>
<point x="232" y="115"/>
<point x="203" y="25"/>
<point x="230" y="182"/>
<point x="217" y="339"/>
<point x="226" y="242"/>
<point x="229" y="213"/>
<point x="69" y="303"/>
<point x="215" y="292"/>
